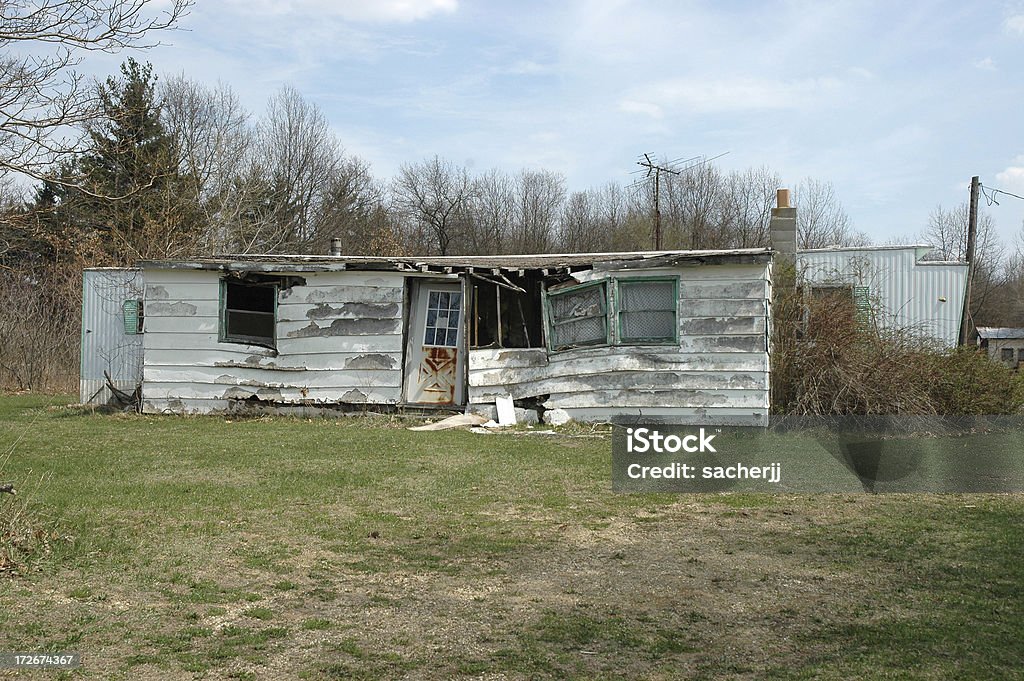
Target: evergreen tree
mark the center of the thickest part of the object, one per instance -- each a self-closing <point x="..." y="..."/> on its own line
<point x="124" y="195"/>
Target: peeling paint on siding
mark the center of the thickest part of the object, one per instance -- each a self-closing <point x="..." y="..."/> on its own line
<point x="357" y="310"/>
<point x="156" y="293"/>
<point x="335" y="294"/>
<point x="179" y="309"/>
<point x="371" y="361"/>
<point x="349" y="327"/>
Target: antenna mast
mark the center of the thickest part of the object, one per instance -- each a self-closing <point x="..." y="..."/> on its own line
<point x="655" y="170"/>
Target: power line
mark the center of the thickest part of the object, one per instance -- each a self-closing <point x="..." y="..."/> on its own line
<point x="990" y="194"/>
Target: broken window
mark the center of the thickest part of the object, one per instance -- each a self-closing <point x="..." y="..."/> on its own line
<point x="443" y="312"/>
<point x="647" y="311"/>
<point x="506" y="311"/>
<point x="579" y="316"/>
<point x="248" y="312"/>
<point x="1006" y="354"/>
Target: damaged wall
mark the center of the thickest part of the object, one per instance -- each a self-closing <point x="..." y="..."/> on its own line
<point x="339" y="339"/>
<point x="716" y="374"/>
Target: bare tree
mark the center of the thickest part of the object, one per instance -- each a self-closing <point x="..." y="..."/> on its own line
<point x="492" y="207"/>
<point x="947" y="233"/>
<point x="213" y="139"/>
<point x="539" y="198"/>
<point x="821" y="220"/>
<point x="579" y="223"/>
<point x="42" y="99"/>
<point x="435" y="194"/>
<point x="749" y="199"/>
<point x="349" y="209"/>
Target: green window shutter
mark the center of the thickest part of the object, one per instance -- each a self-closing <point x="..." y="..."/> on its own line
<point x="862" y="303"/>
<point x="131" y="317"/>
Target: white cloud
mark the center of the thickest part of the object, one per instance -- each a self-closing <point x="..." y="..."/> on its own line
<point x="526" y="67"/>
<point x="1015" y="24"/>
<point x="986" y="64"/>
<point x="377" y="11"/>
<point x="724" y="94"/>
<point x="630" y="106"/>
<point x="1012" y="179"/>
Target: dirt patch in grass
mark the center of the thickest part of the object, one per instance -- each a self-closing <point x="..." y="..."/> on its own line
<point x="375" y="553"/>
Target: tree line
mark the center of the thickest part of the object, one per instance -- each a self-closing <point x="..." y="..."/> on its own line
<point x="139" y="167"/>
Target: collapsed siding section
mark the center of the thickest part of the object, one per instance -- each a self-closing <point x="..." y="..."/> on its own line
<point x="339" y="340"/>
<point x="717" y="373"/>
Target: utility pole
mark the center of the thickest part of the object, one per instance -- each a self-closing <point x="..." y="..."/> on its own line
<point x="655" y="170"/>
<point x="972" y="238"/>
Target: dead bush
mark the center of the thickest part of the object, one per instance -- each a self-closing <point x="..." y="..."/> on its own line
<point x="39" y="330"/>
<point x="827" y="358"/>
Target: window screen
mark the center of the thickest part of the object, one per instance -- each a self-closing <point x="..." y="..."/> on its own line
<point x="249" y="313"/>
<point x="132" y="310"/>
<point x="443" y="310"/>
<point x="579" y="316"/>
<point x="647" y="311"/>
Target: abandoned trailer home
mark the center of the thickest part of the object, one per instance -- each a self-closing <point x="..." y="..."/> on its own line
<point x="679" y="335"/>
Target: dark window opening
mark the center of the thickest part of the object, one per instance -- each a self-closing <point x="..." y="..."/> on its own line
<point x="832" y="307"/>
<point x="503" y="315"/>
<point x="248" y="312"/>
<point x="1006" y="354"/>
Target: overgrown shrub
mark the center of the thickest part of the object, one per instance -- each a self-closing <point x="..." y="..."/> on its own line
<point x="826" y="359"/>
<point x="39" y="329"/>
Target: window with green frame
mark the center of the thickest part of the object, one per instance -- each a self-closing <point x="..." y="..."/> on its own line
<point x="578" y="316"/>
<point x="647" y="310"/>
<point x="248" y="312"/>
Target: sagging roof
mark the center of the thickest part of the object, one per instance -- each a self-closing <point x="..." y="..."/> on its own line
<point x="999" y="332"/>
<point x="464" y="263"/>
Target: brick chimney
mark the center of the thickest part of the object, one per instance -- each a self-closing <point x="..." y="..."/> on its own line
<point x="783" y="230"/>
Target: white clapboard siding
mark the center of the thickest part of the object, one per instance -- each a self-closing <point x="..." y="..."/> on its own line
<point x="717" y="416"/>
<point x="228" y="376"/>
<point x="636" y="381"/>
<point x="339" y="340"/>
<point x="253" y="357"/>
<point x="718" y="372"/>
<point x="204" y="391"/>
<point x="659" y="398"/>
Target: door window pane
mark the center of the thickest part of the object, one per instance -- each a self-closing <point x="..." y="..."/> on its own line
<point x="443" y="314"/>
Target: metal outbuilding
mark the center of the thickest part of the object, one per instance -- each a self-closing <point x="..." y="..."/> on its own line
<point x="112" y="319"/>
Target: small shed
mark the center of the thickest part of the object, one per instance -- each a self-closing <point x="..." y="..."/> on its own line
<point x="1003" y="344"/>
<point x="900" y="284"/>
<point x="668" y="335"/>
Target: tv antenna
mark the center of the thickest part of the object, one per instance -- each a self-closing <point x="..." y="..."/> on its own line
<point x="653" y="171"/>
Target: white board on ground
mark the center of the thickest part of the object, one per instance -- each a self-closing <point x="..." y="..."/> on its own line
<point x="506" y="411"/>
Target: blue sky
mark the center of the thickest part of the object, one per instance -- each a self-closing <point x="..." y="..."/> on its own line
<point x="897" y="104"/>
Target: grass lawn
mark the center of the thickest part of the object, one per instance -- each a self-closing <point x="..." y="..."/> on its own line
<point x="168" y="547"/>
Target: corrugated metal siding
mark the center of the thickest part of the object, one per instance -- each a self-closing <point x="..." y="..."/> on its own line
<point x="339" y="339"/>
<point x="912" y="294"/>
<point x="717" y="373"/>
<point x="105" y="345"/>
